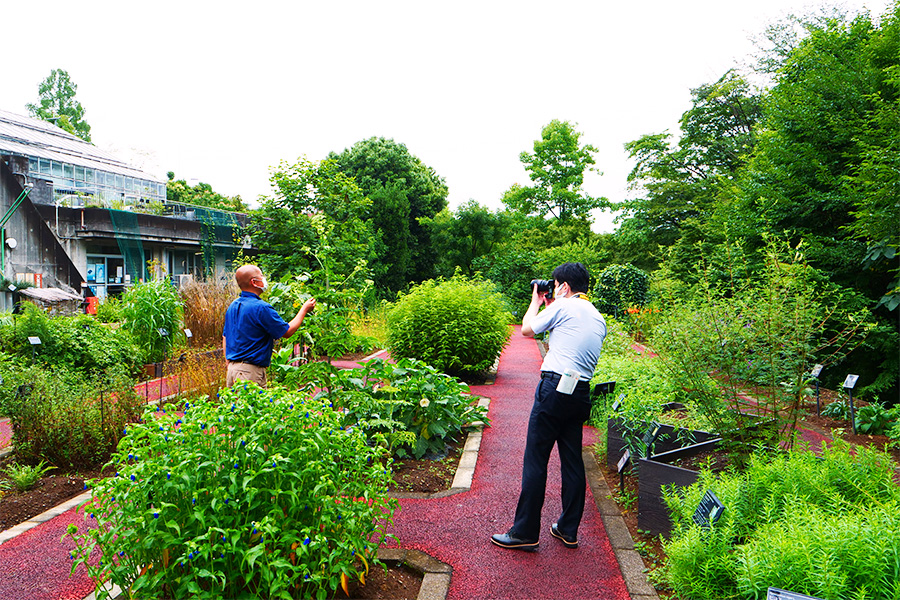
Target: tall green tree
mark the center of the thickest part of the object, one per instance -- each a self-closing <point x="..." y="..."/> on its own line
<point x="824" y="169"/>
<point x="557" y="167"/>
<point x="403" y="190"/>
<point x="462" y="235"/>
<point x="315" y="222"/>
<point x="57" y="104"/>
<point x="681" y="181"/>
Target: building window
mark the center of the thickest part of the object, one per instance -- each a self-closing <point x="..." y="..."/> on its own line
<point x="120" y="182"/>
<point x="56" y="169"/>
<point x="33" y="165"/>
<point x="110" y="180"/>
<point x="79" y="173"/>
<point x="89" y="175"/>
<point x="45" y="166"/>
<point x="68" y="171"/>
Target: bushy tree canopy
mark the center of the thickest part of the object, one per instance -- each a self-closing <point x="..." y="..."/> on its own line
<point x="557" y="169"/>
<point x="57" y="104"/>
<point x="402" y="190"/>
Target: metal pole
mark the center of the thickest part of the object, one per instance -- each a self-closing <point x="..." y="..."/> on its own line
<point x="818" y="402"/>
<point x="852" y="411"/>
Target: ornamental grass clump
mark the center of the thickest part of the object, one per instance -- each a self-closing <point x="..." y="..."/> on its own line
<point x="824" y="526"/>
<point x="262" y="494"/>
<point x="458" y="326"/>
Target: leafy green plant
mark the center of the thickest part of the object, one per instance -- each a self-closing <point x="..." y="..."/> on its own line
<point x="416" y="408"/>
<point x="836" y="410"/>
<point x="110" y="310"/>
<point x="825" y="526"/>
<point x="153" y="313"/>
<point x="77" y="342"/>
<point x="458" y="325"/>
<point x="328" y="330"/>
<point x="70" y="419"/>
<point x="262" y="494"/>
<point x="744" y="352"/>
<point x="5" y="485"/>
<point x="620" y="287"/>
<point x="25" y="476"/>
<point x="872" y="419"/>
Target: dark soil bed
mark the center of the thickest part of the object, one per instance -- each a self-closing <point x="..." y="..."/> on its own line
<point x="395" y="583"/>
<point x="17" y="507"/>
<point x="428" y="475"/>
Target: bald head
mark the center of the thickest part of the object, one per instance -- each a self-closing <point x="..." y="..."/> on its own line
<point x="245" y="274"/>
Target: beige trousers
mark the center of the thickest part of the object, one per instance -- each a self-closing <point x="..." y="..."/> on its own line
<point x="241" y="371"/>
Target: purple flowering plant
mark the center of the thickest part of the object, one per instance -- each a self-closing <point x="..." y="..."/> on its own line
<point x="274" y="499"/>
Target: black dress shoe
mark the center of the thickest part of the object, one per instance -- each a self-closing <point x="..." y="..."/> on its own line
<point x="505" y="540"/>
<point x="567" y="540"/>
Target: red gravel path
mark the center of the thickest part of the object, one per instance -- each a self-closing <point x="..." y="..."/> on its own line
<point x="5" y="433"/>
<point x="457" y="529"/>
<point x="36" y="564"/>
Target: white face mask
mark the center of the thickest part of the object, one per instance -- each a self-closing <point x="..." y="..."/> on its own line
<point x="558" y="292"/>
<point x="263" y="284"/>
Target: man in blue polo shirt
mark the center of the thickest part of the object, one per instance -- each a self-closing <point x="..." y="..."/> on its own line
<point x="251" y="328"/>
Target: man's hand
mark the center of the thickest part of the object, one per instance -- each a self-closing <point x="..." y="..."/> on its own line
<point x="307" y="306"/>
<point x="294" y="324"/>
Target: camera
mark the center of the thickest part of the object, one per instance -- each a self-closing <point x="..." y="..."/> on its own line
<point x="543" y="286"/>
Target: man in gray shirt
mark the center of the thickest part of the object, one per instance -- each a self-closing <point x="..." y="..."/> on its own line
<point x="577" y="331"/>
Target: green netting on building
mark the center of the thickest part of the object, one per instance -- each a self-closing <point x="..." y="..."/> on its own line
<point x="128" y="235"/>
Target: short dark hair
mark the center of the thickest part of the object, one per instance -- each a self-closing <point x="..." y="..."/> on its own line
<point x="575" y="274"/>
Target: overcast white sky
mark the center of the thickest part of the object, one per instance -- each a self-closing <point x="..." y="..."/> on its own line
<point x="220" y="92"/>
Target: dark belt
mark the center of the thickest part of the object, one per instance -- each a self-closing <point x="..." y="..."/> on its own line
<point x="555" y="377"/>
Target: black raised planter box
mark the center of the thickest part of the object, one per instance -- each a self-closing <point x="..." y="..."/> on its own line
<point x="656" y="472"/>
<point x="669" y="438"/>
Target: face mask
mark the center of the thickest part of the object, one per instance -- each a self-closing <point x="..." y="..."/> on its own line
<point x="558" y="293"/>
<point x="263" y="285"/>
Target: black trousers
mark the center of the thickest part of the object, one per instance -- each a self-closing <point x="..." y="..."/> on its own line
<point x="556" y="419"/>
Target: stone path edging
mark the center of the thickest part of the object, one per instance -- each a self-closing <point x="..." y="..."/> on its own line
<point x="465" y="471"/>
<point x="630" y="562"/>
<point x="45" y="516"/>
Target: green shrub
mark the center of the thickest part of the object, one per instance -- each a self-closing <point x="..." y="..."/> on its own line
<point x="873" y="419"/>
<point x="620" y="287"/>
<point x="408" y="397"/>
<point x="77" y="343"/>
<point x="826" y="527"/>
<point x="110" y="310"/>
<point x="836" y="410"/>
<point x="25" y="476"/>
<point x="458" y="325"/>
<point x="327" y="330"/>
<point x="263" y="494"/>
<point x="71" y="420"/>
<point x="152" y="313"/>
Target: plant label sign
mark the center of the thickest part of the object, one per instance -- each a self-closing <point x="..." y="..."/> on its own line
<point x="850" y="382"/>
<point x="776" y="594"/>
<point x="188" y="334"/>
<point x="163" y="332"/>
<point x="623" y="461"/>
<point x="709" y="510"/>
<point x="816" y="371"/>
<point x="34" y="340"/>
<point x="650" y="437"/>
